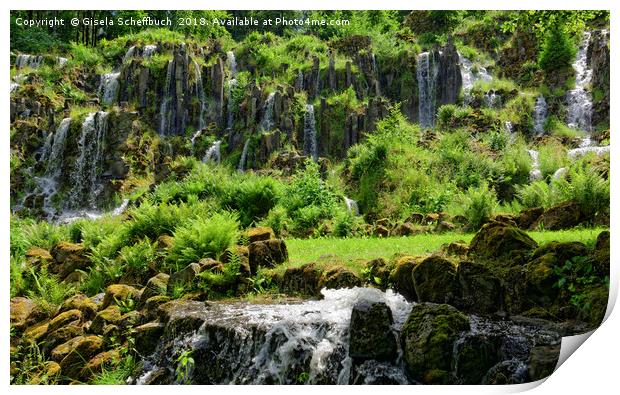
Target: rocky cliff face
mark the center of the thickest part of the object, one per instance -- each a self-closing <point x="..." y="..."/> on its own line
<point x="598" y="61"/>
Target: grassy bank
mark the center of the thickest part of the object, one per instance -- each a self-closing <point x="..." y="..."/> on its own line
<point x="355" y="252"/>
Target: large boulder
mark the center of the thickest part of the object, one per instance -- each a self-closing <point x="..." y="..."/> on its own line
<point x="156" y="285"/>
<point x="475" y="354"/>
<point x="82" y="303"/>
<point x="480" y="290"/>
<point x="20" y="310"/>
<point x="540" y="281"/>
<point x="108" y="316"/>
<point x="527" y="217"/>
<point x="428" y="338"/>
<point x="73" y="354"/>
<point x="69" y="257"/>
<point x="117" y="293"/>
<point x="302" y="280"/>
<point x="261" y="233"/>
<point x="370" y="332"/>
<point x="601" y="255"/>
<point x="543" y="360"/>
<point x="434" y="280"/>
<point x="499" y="242"/>
<point x="183" y="278"/>
<point x="400" y="276"/>
<point x="563" y="251"/>
<point x="268" y="253"/>
<point x="565" y="215"/>
<point x="339" y="277"/>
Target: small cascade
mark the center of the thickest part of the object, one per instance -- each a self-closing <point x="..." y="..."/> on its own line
<point x="86" y="176"/>
<point x="471" y="73"/>
<point x="46" y="150"/>
<point x="535" y="173"/>
<point x="299" y="83"/>
<point x="577" y="153"/>
<point x="13" y="87"/>
<point x="427" y="73"/>
<point x="375" y="70"/>
<point x="193" y="140"/>
<point x="540" y="115"/>
<point x="131" y="52"/>
<point x="108" y="88"/>
<point x="32" y="61"/>
<point x="352" y="206"/>
<point x="231" y="84"/>
<point x="213" y="154"/>
<point x="61" y="61"/>
<point x="559" y="173"/>
<point x="579" y="100"/>
<point x="310" y="143"/>
<point x="492" y="99"/>
<point x="267" y="122"/>
<point x="244" y="156"/>
<point x="165" y="113"/>
<point x="200" y="92"/>
<point x="55" y="160"/>
<point x="148" y="51"/>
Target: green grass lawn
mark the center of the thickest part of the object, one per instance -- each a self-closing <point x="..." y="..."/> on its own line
<point x="355" y="252"/>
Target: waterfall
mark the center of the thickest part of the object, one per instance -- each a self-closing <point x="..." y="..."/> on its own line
<point x="535" y="173"/>
<point x="14" y="86"/>
<point x="244" y="156"/>
<point x="47" y="148"/>
<point x="108" y="87"/>
<point x="540" y="115"/>
<point x="427" y="73"/>
<point x="579" y="100"/>
<point x="61" y="61"/>
<point x="352" y="206"/>
<point x="559" y="173"/>
<point x="267" y="122"/>
<point x="148" y="51"/>
<point x="213" y="154"/>
<point x="577" y="153"/>
<point x="310" y="144"/>
<point x="32" y="61"/>
<point x="165" y="114"/>
<point x="200" y="92"/>
<point x="232" y="83"/>
<point x="492" y="99"/>
<point x="299" y="83"/>
<point x="131" y="52"/>
<point x="471" y="73"/>
<point x="193" y="140"/>
<point x="88" y="167"/>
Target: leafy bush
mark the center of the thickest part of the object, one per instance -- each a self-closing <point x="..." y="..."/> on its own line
<point x="47" y="291"/>
<point x="536" y="194"/>
<point x="476" y="205"/>
<point x="277" y="219"/>
<point x="551" y="157"/>
<point x="252" y="198"/>
<point x="516" y="164"/>
<point x="138" y="257"/>
<point x="203" y="238"/>
<point x="586" y="187"/>
<point x="558" y="50"/>
<point x="82" y="54"/>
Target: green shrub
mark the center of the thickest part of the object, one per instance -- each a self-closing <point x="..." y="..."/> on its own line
<point x="82" y="54"/>
<point x="203" y="238"/>
<point x="558" y="50"/>
<point x="536" y="194"/>
<point x="551" y="157"/>
<point x="47" y="291"/>
<point x="253" y="198"/>
<point x="587" y="187"/>
<point x="477" y="205"/>
<point x="138" y="257"/>
<point x="277" y="219"/>
<point x="516" y="164"/>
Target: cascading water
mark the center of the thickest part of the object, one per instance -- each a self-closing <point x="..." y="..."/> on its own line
<point x="310" y="144"/>
<point x="244" y="156"/>
<point x="471" y="73"/>
<point x="32" y="61"/>
<point x="267" y="122"/>
<point x="244" y="343"/>
<point x="232" y="83"/>
<point x="579" y="100"/>
<point x="86" y="176"/>
<point x="352" y="206"/>
<point x="193" y="140"/>
<point x="165" y="115"/>
<point x="540" y="115"/>
<point x="148" y="51"/>
<point x="213" y="154"/>
<point x="535" y="173"/>
<point x="427" y="73"/>
<point x="108" y="87"/>
<point x="131" y="52"/>
<point x="492" y="99"/>
<point x="200" y="92"/>
<point x="559" y="173"/>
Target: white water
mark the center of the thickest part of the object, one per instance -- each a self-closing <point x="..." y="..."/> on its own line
<point x="559" y="173"/>
<point x="352" y="206"/>
<point x="577" y="153"/>
<point x="540" y="115"/>
<point x="148" y="51"/>
<point x="427" y="73"/>
<point x="165" y="115"/>
<point x="232" y="83"/>
<point x="193" y="140"/>
<point x="213" y="154"/>
<point x="579" y="100"/>
<point x="86" y="175"/>
<point x="492" y="99"/>
<point x="200" y="92"/>
<point x="310" y="143"/>
<point x="535" y="173"/>
<point x="316" y="329"/>
<point x="244" y="156"/>
<point x="108" y="88"/>
<point x="32" y="61"/>
<point x="471" y="73"/>
<point x="267" y="122"/>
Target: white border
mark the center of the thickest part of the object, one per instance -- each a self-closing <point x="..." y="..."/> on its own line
<point x="593" y="368"/>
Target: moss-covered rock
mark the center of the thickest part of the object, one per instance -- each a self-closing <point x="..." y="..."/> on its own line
<point x="75" y="352"/>
<point x="48" y="374"/>
<point x="501" y="243"/>
<point x="565" y="215"/>
<point x="183" y="278"/>
<point x="339" y="277"/>
<point x="562" y="251"/>
<point x="543" y="360"/>
<point x="601" y="254"/>
<point x="428" y="338"/>
<point x="370" y="332"/>
<point x="109" y="315"/>
<point x="38" y="257"/>
<point x="117" y="293"/>
<point x="268" y="253"/>
<point x="20" y="310"/>
<point x="527" y="217"/>
<point x="156" y="285"/>
<point x="130" y="319"/>
<point x="35" y="333"/>
<point x="434" y="280"/>
<point x="302" y="280"/>
<point x="152" y="304"/>
<point x="64" y="318"/>
<point x="377" y="272"/>
<point x="400" y="276"/>
<point x="68" y="258"/>
<point x="147" y="336"/>
<point x="480" y="291"/>
<point x="62" y="335"/>
<point x="82" y="303"/>
<point x="103" y="360"/>
<point x="456" y="248"/>
<point x="475" y="354"/>
<point x="540" y="280"/>
<point x="261" y="233"/>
